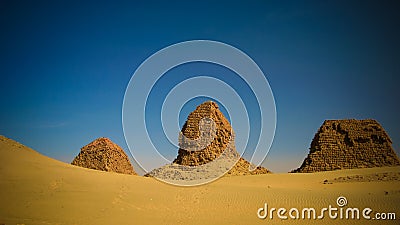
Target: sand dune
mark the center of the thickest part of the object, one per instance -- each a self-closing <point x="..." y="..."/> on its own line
<point x="39" y="190"/>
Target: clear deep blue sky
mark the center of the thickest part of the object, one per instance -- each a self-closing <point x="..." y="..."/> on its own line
<point x="64" y="66"/>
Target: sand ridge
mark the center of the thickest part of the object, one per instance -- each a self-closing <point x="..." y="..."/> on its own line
<point x="40" y="190"/>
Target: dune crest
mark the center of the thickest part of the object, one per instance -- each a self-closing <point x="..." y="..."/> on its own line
<point x="36" y="189"/>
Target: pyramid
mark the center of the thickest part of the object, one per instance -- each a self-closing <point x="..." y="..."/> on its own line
<point x="103" y="154"/>
<point x="349" y="144"/>
<point x="206" y="146"/>
<point x="191" y="130"/>
<point x="223" y="140"/>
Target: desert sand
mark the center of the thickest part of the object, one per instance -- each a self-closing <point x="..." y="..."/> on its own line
<point x="36" y="189"/>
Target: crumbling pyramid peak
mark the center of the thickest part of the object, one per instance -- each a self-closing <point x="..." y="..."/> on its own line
<point x="218" y="132"/>
<point x="349" y="144"/>
<point x="207" y="150"/>
<point x="221" y="140"/>
<point x="103" y="154"/>
<point x="103" y="141"/>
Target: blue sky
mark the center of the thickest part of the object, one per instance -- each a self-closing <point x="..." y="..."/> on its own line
<point x="65" y="65"/>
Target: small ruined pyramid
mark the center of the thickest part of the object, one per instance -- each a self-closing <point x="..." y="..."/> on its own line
<point x="222" y="141"/>
<point x="103" y="154"/>
<point x="349" y="144"/>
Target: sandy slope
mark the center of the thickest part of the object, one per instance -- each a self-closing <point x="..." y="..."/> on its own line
<point x="39" y="190"/>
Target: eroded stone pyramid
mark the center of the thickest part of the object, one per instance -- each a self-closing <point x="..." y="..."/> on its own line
<point x="191" y="130"/>
<point x="103" y="154"/>
<point x="207" y="147"/>
<point x="349" y="144"/>
<point x="223" y="140"/>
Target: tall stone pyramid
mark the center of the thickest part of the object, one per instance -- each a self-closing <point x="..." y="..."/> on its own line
<point x="219" y="136"/>
<point x="349" y="144"/>
<point x="222" y="140"/>
<point x="207" y="147"/>
<point x="103" y="154"/>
